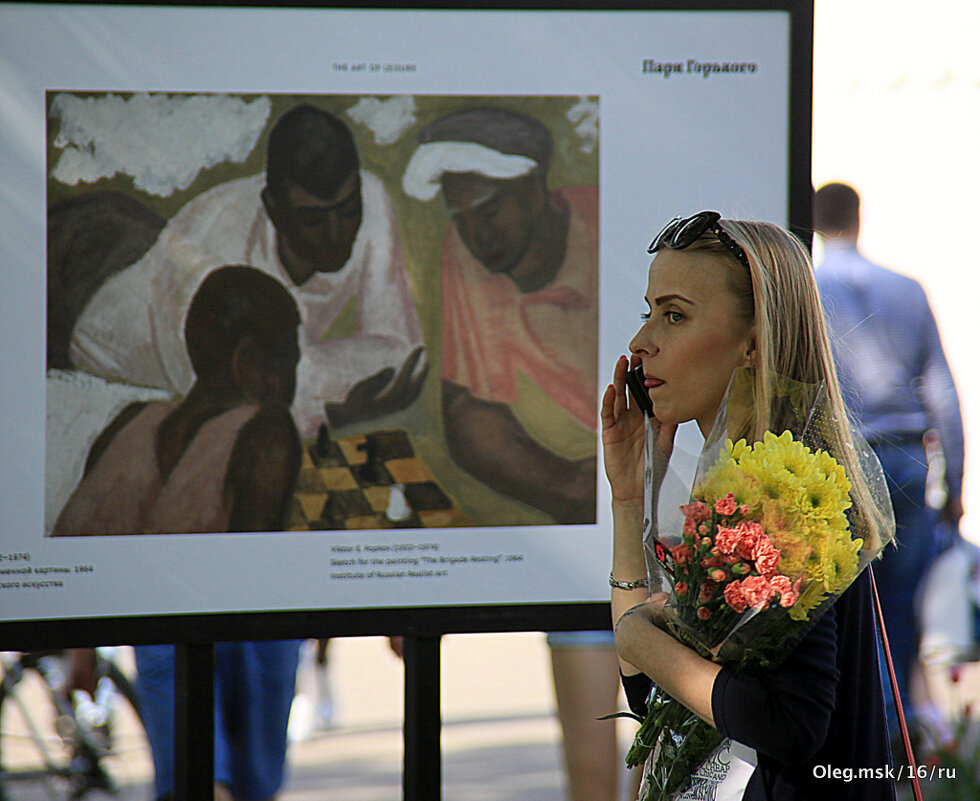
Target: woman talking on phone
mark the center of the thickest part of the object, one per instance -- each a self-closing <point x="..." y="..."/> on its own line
<point x="727" y="296"/>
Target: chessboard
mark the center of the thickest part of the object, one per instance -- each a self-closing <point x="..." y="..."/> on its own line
<point x="369" y="481"/>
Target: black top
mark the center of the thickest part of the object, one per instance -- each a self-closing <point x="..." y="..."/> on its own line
<point x="818" y="716"/>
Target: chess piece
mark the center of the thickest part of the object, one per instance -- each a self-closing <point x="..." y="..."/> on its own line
<point x="322" y="441"/>
<point x="398" y="510"/>
<point x="373" y="471"/>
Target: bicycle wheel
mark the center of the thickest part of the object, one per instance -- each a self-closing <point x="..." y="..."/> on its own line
<point x="126" y="760"/>
<point x="50" y="750"/>
<point x="34" y="758"/>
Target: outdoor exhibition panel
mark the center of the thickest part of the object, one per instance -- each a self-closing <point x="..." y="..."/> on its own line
<point x="654" y="109"/>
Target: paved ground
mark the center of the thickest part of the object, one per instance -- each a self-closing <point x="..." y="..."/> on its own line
<point x="482" y="760"/>
<point x="500" y="737"/>
<point x="501" y="741"/>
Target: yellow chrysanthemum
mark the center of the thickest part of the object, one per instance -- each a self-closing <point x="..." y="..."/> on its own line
<point x="834" y="471"/>
<point x="794" y="553"/>
<point x="821" y="498"/>
<point x="727" y="476"/>
<point x="719" y="479"/>
<point x="738" y="450"/>
<point x="800" y="462"/>
<point x="809" y="599"/>
<point x="789" y="488"/>
<point x="839" y="563"/>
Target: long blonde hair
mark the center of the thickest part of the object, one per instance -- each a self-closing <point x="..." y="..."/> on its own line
<point x="779" y="294"/>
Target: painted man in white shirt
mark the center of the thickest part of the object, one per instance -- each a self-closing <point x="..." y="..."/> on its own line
<point x="316" y="222"/>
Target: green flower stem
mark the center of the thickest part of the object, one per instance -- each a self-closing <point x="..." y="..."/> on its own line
<point x="685" y="742"/>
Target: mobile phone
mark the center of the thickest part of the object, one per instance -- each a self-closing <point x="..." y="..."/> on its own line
<point x="634" y="380"/>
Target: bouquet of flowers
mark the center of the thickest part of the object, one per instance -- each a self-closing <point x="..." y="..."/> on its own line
<point x="773" y="532"/>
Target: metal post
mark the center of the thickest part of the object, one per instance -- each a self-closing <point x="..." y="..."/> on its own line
<point x="422" y="773"/>
<point x="193" y="721"/>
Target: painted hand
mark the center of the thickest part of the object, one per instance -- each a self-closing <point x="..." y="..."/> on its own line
<point x="378" y="394"/>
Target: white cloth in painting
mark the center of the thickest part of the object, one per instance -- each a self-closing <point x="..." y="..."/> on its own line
<point x="132" y="329"/>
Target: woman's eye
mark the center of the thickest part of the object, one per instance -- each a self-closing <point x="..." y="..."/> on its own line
<point x="673" y="317"/>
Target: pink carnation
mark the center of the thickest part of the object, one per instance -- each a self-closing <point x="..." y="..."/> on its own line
<point x="740" y="540"/>
<point x="749" y="533"/>
<point x="756" y="590"/>
<point x="703" y="612"/>
<point x="681" y="554"/>
<point x="697" y="511"/>
<point x="726" y="539"/>
<point x="718" y="575"/>
<point x="706" y="591"/>
<point x="766" y="556"/>
<point x="792" y="595"/>
<point x="690" y="527"/>
<point x="727" y="505"/>
<point x="781" y="586"/>
<point x="680" y="588"/>
<point x="734" y="596"/>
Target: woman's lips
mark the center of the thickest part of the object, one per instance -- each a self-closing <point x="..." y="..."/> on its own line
<point x="650" y="382"/>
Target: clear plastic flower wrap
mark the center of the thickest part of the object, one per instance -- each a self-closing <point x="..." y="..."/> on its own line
<point x="784" y="514"/>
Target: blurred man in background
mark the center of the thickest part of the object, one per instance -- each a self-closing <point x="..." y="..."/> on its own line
<point x="897" y="384"/>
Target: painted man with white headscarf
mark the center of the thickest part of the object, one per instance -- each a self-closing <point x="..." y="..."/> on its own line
<point x="520" y="309"/>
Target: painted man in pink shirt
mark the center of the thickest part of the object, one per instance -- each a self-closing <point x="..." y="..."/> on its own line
<point x="520" y="309"/>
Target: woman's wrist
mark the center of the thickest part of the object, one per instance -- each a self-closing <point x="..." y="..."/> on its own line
<point x="628" y="505"/>
<point x="628" y="584"/>
<point x="633" y="630"/>
<point x="627" y="518"/>
<point x="636" y="609"/>
<point x="651" y="609"/>
<point x="629" y="563"/>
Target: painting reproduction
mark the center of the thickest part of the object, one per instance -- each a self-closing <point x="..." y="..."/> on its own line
<point x="320" y="312"/>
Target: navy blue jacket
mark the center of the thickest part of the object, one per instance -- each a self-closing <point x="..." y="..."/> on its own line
<point x="818" y="715"/>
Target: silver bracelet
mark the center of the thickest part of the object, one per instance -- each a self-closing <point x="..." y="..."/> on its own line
<point x="628" y="585"/>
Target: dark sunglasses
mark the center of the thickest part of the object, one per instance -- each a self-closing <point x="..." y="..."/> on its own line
<point x="682" y="232"/>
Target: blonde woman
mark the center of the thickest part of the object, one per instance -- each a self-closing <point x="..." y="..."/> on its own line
<point x="725" y="294"/>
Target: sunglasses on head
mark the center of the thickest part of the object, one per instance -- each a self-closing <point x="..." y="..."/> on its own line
<point x="682" y="232"/>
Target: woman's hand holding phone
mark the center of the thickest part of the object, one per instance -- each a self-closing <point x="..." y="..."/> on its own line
<point x="623" y="432"/>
